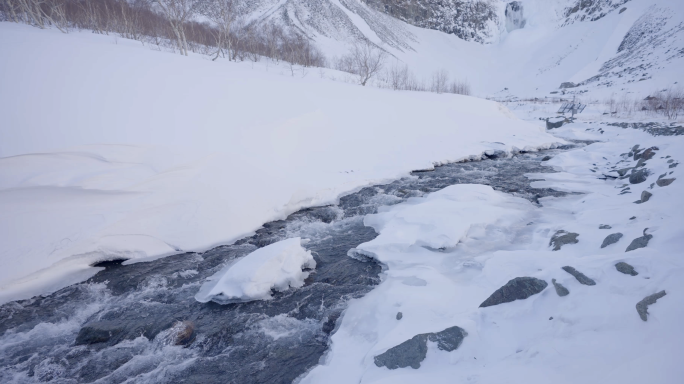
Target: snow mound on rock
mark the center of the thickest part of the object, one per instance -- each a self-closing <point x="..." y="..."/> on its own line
<point x="277" y="266"/>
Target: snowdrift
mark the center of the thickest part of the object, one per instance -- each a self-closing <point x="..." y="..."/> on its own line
<point x="113" y="151"/>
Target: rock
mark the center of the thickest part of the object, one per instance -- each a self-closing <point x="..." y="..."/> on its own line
<point x="560" y="290"/>
<point x="640" y="163"/>
<point x="98" y="332"/>
<point x="639" y="176"/>
<point x="622" y="10"/>
<point x="519" y="288"/>
<point x="645" y="195"/>
<point x="579" y="276"/>
<point x="648" y="154"/>
<point x="605" y="226"/>
<point x="555" y="122"/>
<point x="642" y="306"/>
<point x="183" y="333"/>
<point x="632" y="218"/>
<point x="567" y="84"/>
<point x="611" y="239"/>
<point x="449" y="339"/>
<point x="623" y="171"/>
<point x="399" y="315"/>
<point x="546" y="158"/>
<point x="626" y="268"/>
<point x="412" y="352"/>
<point x="665" y="182"/>
<point x="639" y="242"/>
<point x="562" y="238"/>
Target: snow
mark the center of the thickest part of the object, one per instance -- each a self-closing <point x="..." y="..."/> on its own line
<point x="137" y="154"/>
<point x="447" y="252"/>
<point x="276" y="266"/>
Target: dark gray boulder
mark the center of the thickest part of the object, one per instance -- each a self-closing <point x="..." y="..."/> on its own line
<point x="642" y="306"/>
<point x="648" y="154"/>
<point x="639" y="176"/>
<point x="449" y="339"/>
<point x="568" y="84"/>
<point x="98" y="332"/>
<point x="412" y="352"/>
<point x="611" y="239"/>
<point x="605" y="226"/>
<point x="639" y="242"/>
<point x="399" y="315"/>
<point x="645" y="196"/>
<point x="546" y="158"/>
<point x="555" y="122"/>
<point x="583" y="279"/>
<point x="562" y="238"/>
<point x="560" y="289"/>
<point x="519" y="288"/>
<point x="665" y="182"/>
<point x="625" y="268"/>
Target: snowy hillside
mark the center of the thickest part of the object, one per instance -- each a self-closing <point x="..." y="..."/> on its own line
<point x="205" y="152"/>
<point x="532" y="46"/>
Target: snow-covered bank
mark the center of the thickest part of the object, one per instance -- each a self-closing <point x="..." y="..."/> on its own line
<point x="448" y="252"/>
<point x="112" y="150"/>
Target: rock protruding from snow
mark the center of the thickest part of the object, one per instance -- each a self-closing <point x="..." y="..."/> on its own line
<point x="639" y="176"/>
<point x="611" y="239"/>
<point x="581" y="277"/>
<point x="639" y="242"/>
<point x="519" y="288"/>
<point x="560" y="289"/>
<point x="645" y="196"/>
<point x="412" y="352"/>
<point x="399" y="315"/>
<point x="642" y="306"/>
<point x="665" y="182"/>
<point x="555" y="122"/>
<point x="561" y="238"/>
<point x="276" y="266"/>
<point x="605" y="226"/>
<point x="514" y="16"/>
<point x="568" y="84"/>
<point x="625" y="268"/>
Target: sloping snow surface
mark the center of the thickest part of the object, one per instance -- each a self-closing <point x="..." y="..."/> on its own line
<point x="449" y="251"/>
<point x="111" y="150"/>
<point x="276" y="266"/>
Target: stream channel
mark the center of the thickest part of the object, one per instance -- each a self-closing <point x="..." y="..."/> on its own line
<point x="140" y="323"/>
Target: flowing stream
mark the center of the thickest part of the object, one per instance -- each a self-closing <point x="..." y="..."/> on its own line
<point x="140" y="323"/>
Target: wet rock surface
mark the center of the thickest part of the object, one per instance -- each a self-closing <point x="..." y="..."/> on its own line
<point x="519" y="288"/>
<point x="412" y="352"/>
<point x="562" y="238"/>
<point x="560" y="289"/>
<point x="625" y="268"/>
<point x="581" y="277"/>
<point x="642" y="306"/>
<point x="611" y="239"/>
<point x="131" y="322"/>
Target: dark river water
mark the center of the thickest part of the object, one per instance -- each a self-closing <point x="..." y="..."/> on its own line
<point x="140" y="323"/>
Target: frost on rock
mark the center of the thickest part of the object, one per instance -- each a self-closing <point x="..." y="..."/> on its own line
<point x="277" y="266"/>
<point x="519" y="288"/>
<point x="562" y="238"/>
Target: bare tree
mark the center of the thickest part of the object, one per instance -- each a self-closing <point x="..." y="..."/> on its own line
<point x="440" y="79"/>
<point x="178" y="13"/>
<point x="364" y="60"/>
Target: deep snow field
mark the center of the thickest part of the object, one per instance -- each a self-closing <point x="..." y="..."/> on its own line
<point x="115" y="151"/>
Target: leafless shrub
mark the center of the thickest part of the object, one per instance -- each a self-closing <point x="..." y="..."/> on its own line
<point x="170" y="24"/>
<point x="440" y="80"/>
<point x="364" y="60"/>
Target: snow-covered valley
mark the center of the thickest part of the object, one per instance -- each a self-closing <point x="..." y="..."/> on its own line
<point x="172" y="219"/>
